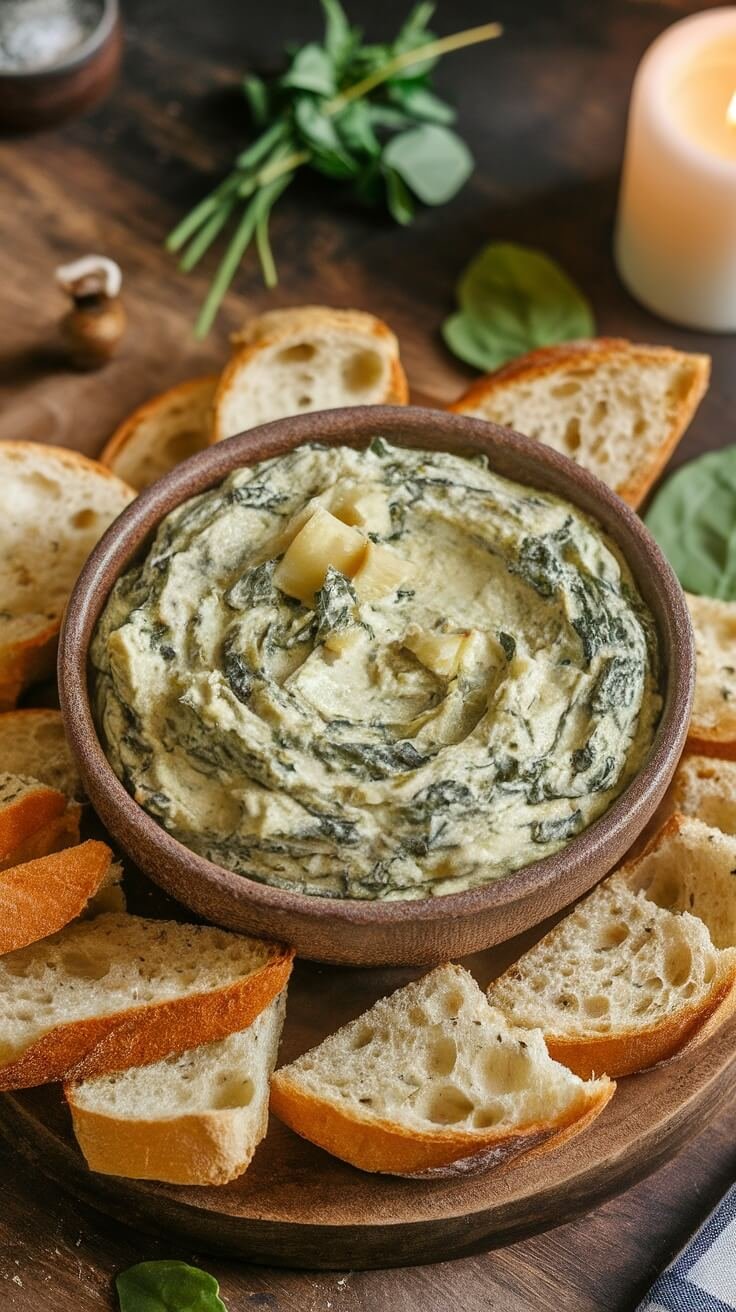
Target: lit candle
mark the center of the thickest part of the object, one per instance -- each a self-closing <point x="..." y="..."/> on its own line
<point x="676" y="230"/>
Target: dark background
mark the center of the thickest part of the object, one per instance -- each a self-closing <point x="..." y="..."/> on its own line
<point x="544" y="113"/>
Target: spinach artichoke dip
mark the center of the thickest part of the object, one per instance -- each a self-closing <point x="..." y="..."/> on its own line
<point x="376" y="674"/>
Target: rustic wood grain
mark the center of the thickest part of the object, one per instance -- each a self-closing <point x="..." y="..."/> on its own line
<point x="544" y="112"/>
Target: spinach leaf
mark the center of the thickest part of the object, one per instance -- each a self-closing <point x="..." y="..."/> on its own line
<point x="253" y="588"/>
<point x="513" y="299"/>
<point x="693" y="518"/>
<point x="334" y="604"/>
<point x="548" y="831"/>
<point x="616" y="685"/>
<point x="168" y="1287"/>
<point x="432" y="160"/>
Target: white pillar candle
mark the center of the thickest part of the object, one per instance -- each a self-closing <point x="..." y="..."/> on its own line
<point x="676" y="231"/>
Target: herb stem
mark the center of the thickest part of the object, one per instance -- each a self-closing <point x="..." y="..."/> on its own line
<point x="199" y="215"/>
<point x="203" y="239"/>
<point x="255" y="211"/>
<point x="433" y="50"/>
<point x="265" y="254"/>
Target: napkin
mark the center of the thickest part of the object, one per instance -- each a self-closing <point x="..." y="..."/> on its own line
<point x="702" y="1277"/>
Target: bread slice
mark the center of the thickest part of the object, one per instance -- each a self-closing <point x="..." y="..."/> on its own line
<point x="704" y="787"/>
<point x="33" y="742"/>
<point x="617" y="408"/>
<point x="54" y="505"/>
<point x="120" y="991"/>
<point x="633" y="973"/>
<point x="34" y="819"/>
<point x="40" y="897"/>
<point x="432" y="1080"/>
<point x="712" y="729"/>
<point x="162" y="432"/>
<point x="308" y="358"/>
<point x="196" y="1118"/>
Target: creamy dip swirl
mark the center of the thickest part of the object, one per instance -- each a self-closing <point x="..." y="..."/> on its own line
<point x="487" y="706"/>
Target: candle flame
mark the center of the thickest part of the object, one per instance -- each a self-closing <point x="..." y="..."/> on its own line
<point x="731" y="111"/>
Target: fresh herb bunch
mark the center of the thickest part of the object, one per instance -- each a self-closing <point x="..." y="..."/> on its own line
<point x="363" y="114"/>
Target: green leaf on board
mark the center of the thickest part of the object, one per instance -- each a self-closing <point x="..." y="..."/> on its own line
<point x="693" y="518"/>
<point x="433" y="161"/>
<point x="512" y="300"/>
<point x="168" y="1287"/>
<point x="311" y="70"/>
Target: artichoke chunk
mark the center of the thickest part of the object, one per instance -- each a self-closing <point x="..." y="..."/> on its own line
<point x="439" y="652"/>
<point x="381" y="571"/>
<point x="323" y="541"/>
<point x="363" y="505"/>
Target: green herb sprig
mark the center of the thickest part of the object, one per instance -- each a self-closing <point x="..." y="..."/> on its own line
<point x="363" y="114"/>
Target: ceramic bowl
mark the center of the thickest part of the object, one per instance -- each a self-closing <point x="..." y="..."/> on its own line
<point x="381" y="933"/>
<point x="42" y="97"/>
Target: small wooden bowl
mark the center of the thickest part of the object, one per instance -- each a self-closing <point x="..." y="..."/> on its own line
<point x="381" y="933"/>
<point x="42" y="97"/>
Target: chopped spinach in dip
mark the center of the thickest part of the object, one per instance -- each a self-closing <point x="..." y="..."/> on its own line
<point x="412" y="732"/>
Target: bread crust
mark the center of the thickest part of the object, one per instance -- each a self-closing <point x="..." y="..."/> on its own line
<point x="205" y="1148"/>
<point x="25" y="816"/>
<point x="126" y="431"/>
<point x="141" y="1035"/>
<point x="55" y="835"/>
<point x="43" y="895"/>
<point x="699" y="745"/>
<point x="280" y="326"/>
<point x="553" y="359"/>
<point x="386" y="1147"/>
<point x="32" y="659"/>
<point x="638" y="1050"/>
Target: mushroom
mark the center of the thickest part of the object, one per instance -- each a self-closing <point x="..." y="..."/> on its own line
<point x="94" y="325"/>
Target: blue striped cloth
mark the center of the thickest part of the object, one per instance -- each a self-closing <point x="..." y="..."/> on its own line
<point x="702" y="1277"/>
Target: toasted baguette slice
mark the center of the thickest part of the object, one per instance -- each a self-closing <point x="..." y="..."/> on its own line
<point x="54" y="505"/>
<point x="121" y="991"/>
<point x="712" y="729"/>
<point x="196" y="1118"/>
<point x="33" y="742"/>
<point x="308" y="358"/>
<point x="617" y="408"/>
<point x="40" y="897"/>
<point x="162" y="432"/>
<point x="705" y="788"/>
<point x="633" y="973"/>
<point x="34" y="819"/>
<point x="432" y="1080"/>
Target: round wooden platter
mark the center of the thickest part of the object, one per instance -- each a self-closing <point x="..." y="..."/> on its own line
<point x="296" y="1206"/>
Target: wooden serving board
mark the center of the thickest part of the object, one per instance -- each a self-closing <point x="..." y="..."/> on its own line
<point x="297" y="1206"/>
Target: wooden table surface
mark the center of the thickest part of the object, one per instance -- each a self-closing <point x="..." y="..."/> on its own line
<point x="544" y="112"/>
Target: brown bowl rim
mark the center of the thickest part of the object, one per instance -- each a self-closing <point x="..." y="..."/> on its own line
<point x="410" y="426"/>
